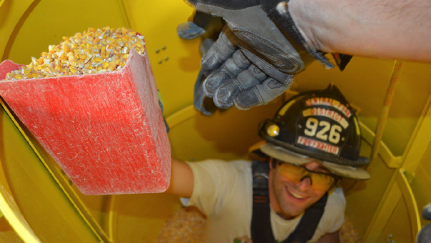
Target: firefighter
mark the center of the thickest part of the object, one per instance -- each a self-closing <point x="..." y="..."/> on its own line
<point x="291" y="194"/>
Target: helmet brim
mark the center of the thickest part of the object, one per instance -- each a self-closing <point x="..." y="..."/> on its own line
<point x="291" y="157"/>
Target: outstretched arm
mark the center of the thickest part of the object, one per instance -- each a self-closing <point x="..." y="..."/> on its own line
<point x="181" y="179"/>
<point x="393" y="29"/>
<point x="266" y="43"/>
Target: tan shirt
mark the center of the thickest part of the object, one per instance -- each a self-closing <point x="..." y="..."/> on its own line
<point x="223" y="191"/>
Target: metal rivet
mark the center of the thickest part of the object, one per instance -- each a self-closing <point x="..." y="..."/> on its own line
<point x="157" y="51"/>
<point x="390" y="236"/>
<point x="160" y="62"/>
<point x="273" y="130"/>
<point x="166" y="58"/>
<point x="163" y="47"/>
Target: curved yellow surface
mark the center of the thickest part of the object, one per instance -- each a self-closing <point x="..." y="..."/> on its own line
<point x="175" y="62"/>
<point x="27" y="27"/>
<point x="15" y="217"/>
<point x="398" y="205"/>
<point x="11" y="13"/>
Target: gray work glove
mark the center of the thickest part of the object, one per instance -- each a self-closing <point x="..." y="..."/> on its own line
<point x="201" y="25"/>
<point x="207" y="28"/>
<point x="424" y="234"/>
<point x="257" y="54"/>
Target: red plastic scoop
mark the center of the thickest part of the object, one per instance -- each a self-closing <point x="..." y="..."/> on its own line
<point x="105" y="130"/>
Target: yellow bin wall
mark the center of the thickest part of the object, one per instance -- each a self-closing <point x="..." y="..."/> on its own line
<point x="56" y="212"/>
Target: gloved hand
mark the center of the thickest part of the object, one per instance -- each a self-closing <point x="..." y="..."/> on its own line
<point x="424" y="235"/>
<point x="256" y="56"/>
<point x="207" y="28"/>
<point x="202" y="25"/>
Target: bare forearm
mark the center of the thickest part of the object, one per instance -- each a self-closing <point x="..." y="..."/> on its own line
<point x="181" y="179"/>
<point x="396" y="29"/>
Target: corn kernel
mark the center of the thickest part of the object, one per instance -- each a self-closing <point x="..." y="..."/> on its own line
<point x="38" y="68"/>
<point x="120" y="42"/>
<point x="51" y="49"/>
<point x="81" y="64"/>
<point x="92" y="51"/>
<point x="63" y="56"/>
<point x="82" y="56"/>
<point x="41" y="60"/>
<point x="110" y="40"/>
<point x="66" y="48"/>
<point x="34" y="61"/>
<point x="58" y="67"/>
<point x="103" y="50"/>
<point x="73" y="62"/>
<point x="72" y="69"/>
<point x="27" y="70"/>
<point x="18" y="76"/>
<point x="105" y="65"/>
<point x="97" y="60"/>
<point x="112" y="66"/>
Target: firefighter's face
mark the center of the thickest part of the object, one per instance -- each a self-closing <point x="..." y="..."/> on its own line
<point x="289" y="198"/>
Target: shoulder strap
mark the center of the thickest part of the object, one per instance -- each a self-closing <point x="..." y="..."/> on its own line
<point x="306" y="227"/>
<point x="261" y="231"/>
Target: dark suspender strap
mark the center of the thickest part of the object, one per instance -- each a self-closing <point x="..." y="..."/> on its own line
<point x="306" y="227"/>
<point x="261" y="231"/>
